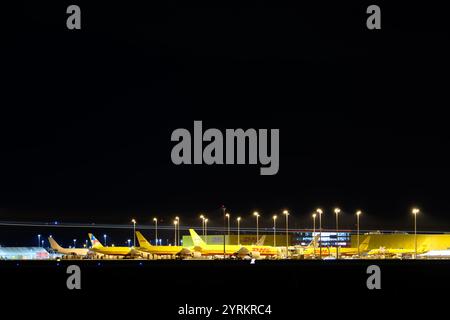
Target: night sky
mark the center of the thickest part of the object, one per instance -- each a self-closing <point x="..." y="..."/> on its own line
<point x="86" y="116"/>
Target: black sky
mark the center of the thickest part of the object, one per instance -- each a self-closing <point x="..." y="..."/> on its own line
<point x="86" y="116"/>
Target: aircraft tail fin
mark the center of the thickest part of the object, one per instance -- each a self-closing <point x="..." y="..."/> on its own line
<point x="95" y="243"/>
<point x="198" y="242"/>
<point x="314" y="241"/>
<point x="142" y="241"/>
<point x="261" y="240"/>
<point x="363" y="246"/>
<point x="425" y="247"/>
<point x="55" y="246"/>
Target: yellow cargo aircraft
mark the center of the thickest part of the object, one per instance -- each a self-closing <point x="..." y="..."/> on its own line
<point x="253" y="251"/>
<point x="331" y="251"/>
<point x="146" y="247"/>
<point x="391" y="252"/>
<point x="113" y="251"/>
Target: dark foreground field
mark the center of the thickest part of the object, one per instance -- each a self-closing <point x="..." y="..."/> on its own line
<point x="290" y="287"/>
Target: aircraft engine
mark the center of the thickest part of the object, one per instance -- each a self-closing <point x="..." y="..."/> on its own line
<point x="255" y="254"/>
<point x="242" y="253"/>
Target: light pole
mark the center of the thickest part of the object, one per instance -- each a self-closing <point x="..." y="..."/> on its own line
<point x="206" y="230"/>
<point x="286" y="213"/>
<point x="238" y="224"/>
<point x="319" y="211"/>
<point x="358" y="213"/>
<point x="74" y="243"/>
<point x="175" y="232"/>
<point x="129" y="242"/>
<point x="256" y="214"/>
<point x="178" y="230"/>
<point x="225" y="215"/>
<point x="134" y="232"/>
<point x="337" y="211"/>
<point x="415" y="212"/>
<point x="39" y="240"/>
<point x="314" y="233"/>
<point x="156" y="230"/>
<point x="104" y="238"/>
<point x="228" y="218"/>
<point x="203" y="225"/>
<point x="274" y="230"/>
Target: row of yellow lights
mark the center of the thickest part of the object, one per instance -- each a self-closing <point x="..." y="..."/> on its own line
<point x="414" y="211"/>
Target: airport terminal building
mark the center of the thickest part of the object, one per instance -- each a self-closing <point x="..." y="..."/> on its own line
<point x="23" y="253"/>
<point x="342" y="239"/>
<point x="405" y="241"/>
<point x="329" y="239"/>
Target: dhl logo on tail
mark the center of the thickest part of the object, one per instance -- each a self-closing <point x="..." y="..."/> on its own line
<point x="364" y="246"/>
<point x="142" y="241"/>
<point x="198" y="242"/>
